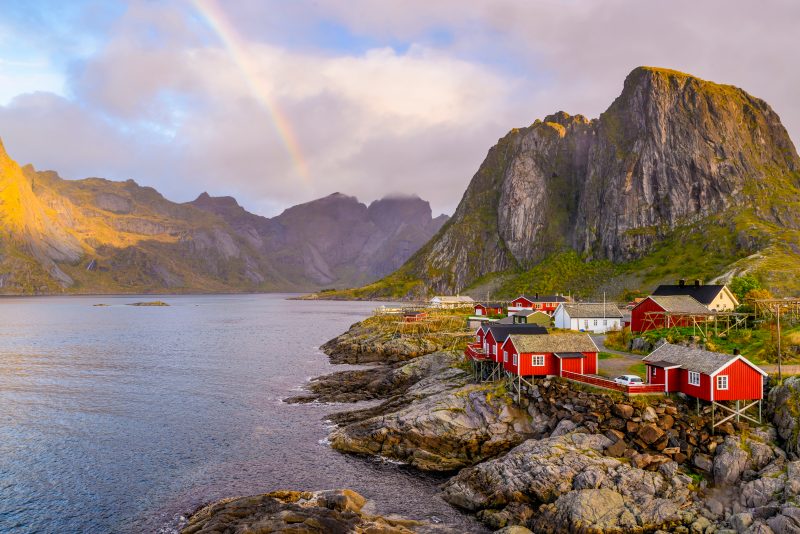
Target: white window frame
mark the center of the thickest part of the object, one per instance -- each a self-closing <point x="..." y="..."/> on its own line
<point x="505" y="356"/>
<point x="595" y="322"/>
<point x="537" y="360"/>
<point x="514" y="359"/>
<point x="720" y="382"/>
<point x="694" y="378"/>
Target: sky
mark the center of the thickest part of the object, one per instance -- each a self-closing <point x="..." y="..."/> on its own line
<point x="281" y="102"/>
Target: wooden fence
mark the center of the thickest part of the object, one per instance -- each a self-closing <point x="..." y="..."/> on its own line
<point x="605" y="383"/>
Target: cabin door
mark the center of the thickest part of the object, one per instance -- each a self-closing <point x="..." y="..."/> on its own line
<point x="572" y="365"/>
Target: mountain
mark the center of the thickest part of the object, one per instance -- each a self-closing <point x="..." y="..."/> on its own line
<point x="678" y="178"/>
<point x="100" y="236"/>
<point x="336" y="240"/>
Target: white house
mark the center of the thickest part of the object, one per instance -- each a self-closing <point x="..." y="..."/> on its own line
<point x="597" y="317"/>
<point x="442" y="301"/>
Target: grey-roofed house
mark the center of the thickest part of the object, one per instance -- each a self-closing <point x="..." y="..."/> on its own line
<point x="552" y="354"/>
<point x="597" y="317"/>
<point x="711" y="376"/>
<point x="658" y="311"/>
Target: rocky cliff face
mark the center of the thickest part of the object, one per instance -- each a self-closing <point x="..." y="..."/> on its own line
<point x="98" y="236"/>
<point x="672" y="152"/>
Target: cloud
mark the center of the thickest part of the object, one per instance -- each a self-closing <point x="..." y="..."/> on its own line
<point x="405" y="97"/>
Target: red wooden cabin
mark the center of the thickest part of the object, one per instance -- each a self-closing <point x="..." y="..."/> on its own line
<point x="488" y="309"/>
<point x="545" y="303"/>
<point x="494" y="335"/>
<point x="549" y="355"/>
<point x="711" y="376"/>
<point x="656" y="312"/>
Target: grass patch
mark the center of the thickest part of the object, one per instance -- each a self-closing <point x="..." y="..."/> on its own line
<point x="607" y="356"/>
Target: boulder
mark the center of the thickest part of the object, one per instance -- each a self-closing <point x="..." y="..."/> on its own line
<point x="650" y="433"/>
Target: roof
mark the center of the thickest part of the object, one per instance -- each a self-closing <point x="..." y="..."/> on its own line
<point x="691" y="359"/>
<point x="663" y="364"/>
<point x="704" y="294"/>
<point x="528" y="313"/>
<point x="569" y="355"/>
<point x="591" y="310"/>
<point x="553" y="343"/>
<point x="459" y="299"/>
<point x="543" y="298"/>
<point x="490" y="304"/>
<point x="501" y="331"/>
<point x="679" y="304"/>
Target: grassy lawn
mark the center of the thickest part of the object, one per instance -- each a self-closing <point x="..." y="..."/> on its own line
<point x="637" y="369"/>
<point x="607" y="356"/>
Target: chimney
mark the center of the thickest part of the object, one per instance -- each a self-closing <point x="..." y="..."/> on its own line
<point x="736" y="352"/>
<point x="697" y="283"/>
<point x="536" y="296"/>
<point x="681" y="282"/>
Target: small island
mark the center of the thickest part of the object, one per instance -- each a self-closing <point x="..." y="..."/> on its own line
<point x="150" y="303"/>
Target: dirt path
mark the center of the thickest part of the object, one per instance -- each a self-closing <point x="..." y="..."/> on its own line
<point x="619" y="365"/>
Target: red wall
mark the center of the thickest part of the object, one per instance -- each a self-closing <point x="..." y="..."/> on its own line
<point x="744" y="383"/>
<point x="648" y="305"/>
<point x="498" y="355"/>
<point x="637" y="314"/>
<point x="509" y="347"/>
<point x="703" y="391"/>
<point x="573" y="365"/>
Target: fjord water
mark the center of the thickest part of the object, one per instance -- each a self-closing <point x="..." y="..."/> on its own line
<point x="121" y="419"/>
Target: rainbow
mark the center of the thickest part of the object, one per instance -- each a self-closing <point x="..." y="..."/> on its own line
<point x="237" y="49"/>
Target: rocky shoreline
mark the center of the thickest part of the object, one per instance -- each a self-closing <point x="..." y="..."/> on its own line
<point x="566" y="459"/>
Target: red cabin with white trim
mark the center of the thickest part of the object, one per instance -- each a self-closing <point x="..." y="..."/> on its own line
<point x="549" y="355"/>
<point x="488" y="309"/>
<point x="545" y="303"/>
<point x="711" y="376"/>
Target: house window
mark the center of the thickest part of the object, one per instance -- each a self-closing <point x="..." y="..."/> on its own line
<point x="694" y="378"/>
<point x="515" y="359"/>
<point x="722" y="382"/>
<point x="537" y="361"/>
<point x="586" y="323"/>
<point x="595" y="322"/>
<point x="605" y="322"/>
<point x="505" y="355"/>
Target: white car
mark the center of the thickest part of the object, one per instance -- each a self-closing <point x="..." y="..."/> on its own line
<point x="629" y="380"/>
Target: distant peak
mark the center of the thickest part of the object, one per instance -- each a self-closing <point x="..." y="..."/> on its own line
<point x="203" y="196"/>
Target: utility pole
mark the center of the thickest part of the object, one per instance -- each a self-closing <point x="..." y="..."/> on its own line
<point x="778" y="313"/>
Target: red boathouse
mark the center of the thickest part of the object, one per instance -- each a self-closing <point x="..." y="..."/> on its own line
<point x="657" y="312"/>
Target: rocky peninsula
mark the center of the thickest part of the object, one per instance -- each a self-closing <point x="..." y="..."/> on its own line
<point x="564" y="459"/>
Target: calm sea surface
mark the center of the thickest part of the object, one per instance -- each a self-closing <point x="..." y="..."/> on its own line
<point x="123" y="418"/>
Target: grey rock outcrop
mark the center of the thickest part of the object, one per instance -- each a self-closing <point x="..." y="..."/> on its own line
<point x="574" y="486"/>
<point x="784" y="405"/>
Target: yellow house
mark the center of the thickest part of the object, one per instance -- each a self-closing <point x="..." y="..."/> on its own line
<point x="714" y="296"/>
